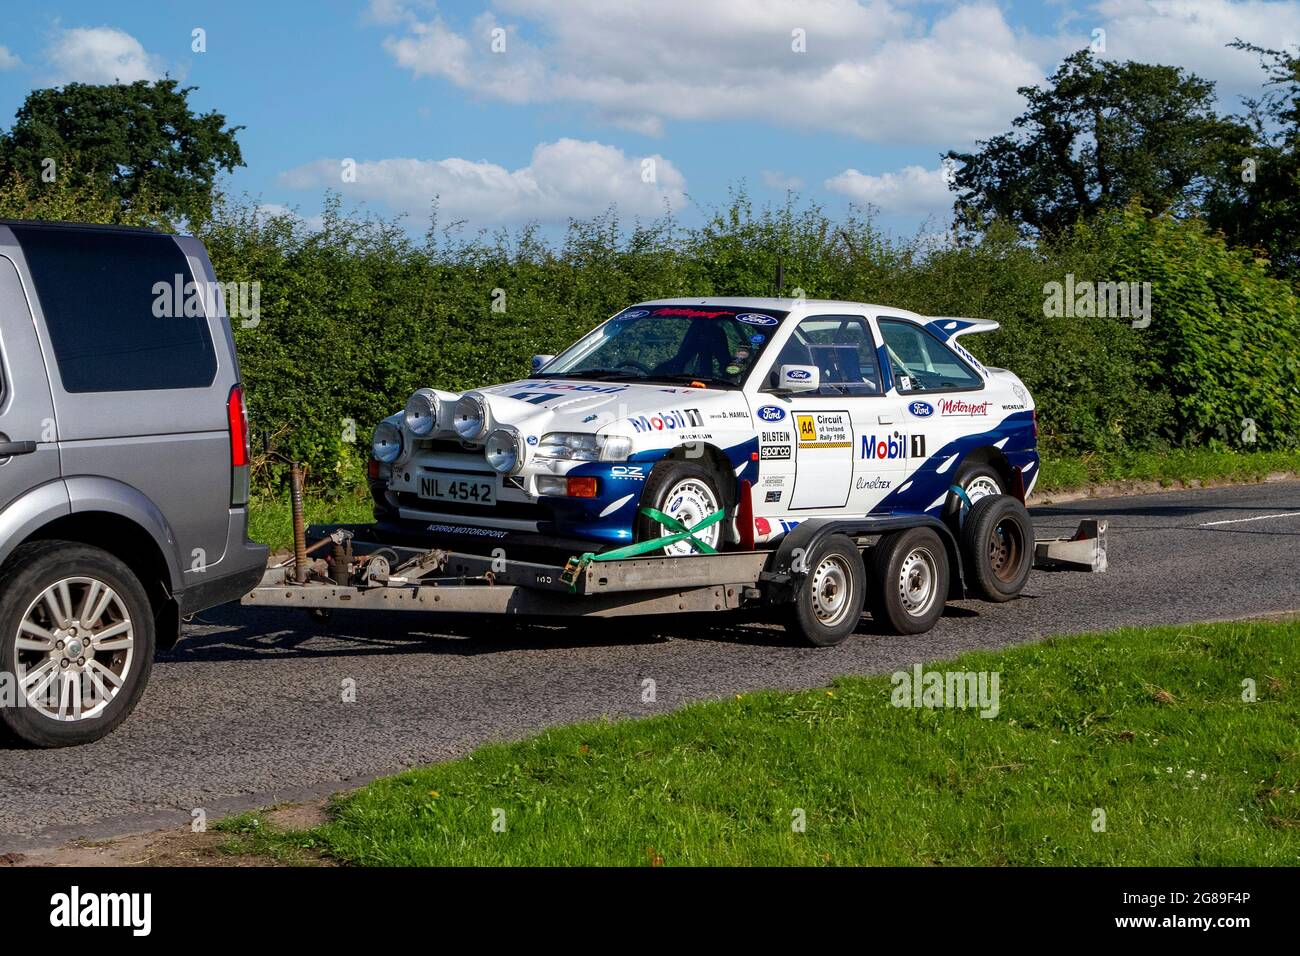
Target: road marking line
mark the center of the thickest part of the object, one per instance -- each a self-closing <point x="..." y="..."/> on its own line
<point x="1288" y="514"/>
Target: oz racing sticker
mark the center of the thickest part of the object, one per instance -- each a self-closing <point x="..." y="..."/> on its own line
<point x="824" y="430"/>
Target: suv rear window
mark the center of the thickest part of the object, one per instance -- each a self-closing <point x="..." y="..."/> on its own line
<point x="97" y="290"/>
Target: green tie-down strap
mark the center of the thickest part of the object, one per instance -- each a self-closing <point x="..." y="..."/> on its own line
<point x="679" y="533"/>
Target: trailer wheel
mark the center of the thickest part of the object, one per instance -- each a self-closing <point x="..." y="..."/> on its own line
<point x="828" y="604"/>
<point x="909" y="580"/>
<point x="997" y="543"/>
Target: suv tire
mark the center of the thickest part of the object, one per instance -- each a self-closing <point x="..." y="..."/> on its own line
<point x="56" y="600"/>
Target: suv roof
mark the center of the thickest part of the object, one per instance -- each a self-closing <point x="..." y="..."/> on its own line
<point x="80" y="226"/>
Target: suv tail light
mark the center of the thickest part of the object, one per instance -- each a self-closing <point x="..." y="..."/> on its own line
<point x="240" y="446"/>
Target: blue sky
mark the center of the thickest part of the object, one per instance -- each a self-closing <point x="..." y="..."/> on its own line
<point x="522" y="110"/>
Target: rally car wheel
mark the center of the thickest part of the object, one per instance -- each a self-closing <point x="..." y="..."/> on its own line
<point x="829" y="602"/>
<point x="687" y="492"/>
<point x="978" y="480"/>
<point x="909" y="581"/>
<point x="997" y="543"/>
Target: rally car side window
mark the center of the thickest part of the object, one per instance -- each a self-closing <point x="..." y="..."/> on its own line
<point x="921" y="363"/>
<point x="842" y="348"/>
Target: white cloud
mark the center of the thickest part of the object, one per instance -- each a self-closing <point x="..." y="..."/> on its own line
<point x="1194" y="34"/>
<point x="101" y="55"/>
<point x="8" y="60"/>
<point x="873" y="69"/>
<point x="775" y="179"/>
<point x="912" y="191"/>
<point x="563" y="179"/>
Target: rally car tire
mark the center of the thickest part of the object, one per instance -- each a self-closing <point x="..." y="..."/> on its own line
<point x="697" y="487"/>
<point x="978" y="480"/>
<point x="829" y="601"/>
<point x="909" y="581"/>
<point x="997" y="548"/>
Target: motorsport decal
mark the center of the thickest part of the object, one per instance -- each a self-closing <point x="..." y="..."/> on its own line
<point x="772" y="497"/>
<point x="959" y="406"/>
<point x="920" y="409"/>
<point x="670" y="421"/>
<point x="635" y="314"/>
<point x="799" y="374"/>
<point x="629" y="472"/>
<point x="824" y="430"/>
<point x="692" y="313"/>
<point x="863" y="482"/>
<point x="889" y="447"/>
<point x="774" y="453"/>
<point x="758" y="318"/>
<point x="771" y="413"/>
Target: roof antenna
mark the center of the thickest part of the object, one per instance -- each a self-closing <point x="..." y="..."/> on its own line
<point x="780" y="274"/>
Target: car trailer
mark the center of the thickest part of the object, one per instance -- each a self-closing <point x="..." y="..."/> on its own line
<point x="818" y="580"/>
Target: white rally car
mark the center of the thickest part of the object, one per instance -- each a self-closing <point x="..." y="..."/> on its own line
<point x="771" y="410"/>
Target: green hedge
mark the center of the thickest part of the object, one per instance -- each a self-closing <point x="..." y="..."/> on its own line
<point x="355" y="313"/>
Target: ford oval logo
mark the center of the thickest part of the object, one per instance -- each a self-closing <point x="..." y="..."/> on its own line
<point x="756" y="318"/>
<point x="770" y="413"/>
<point x="798" y="374"/>
<point x="921" y="409"/>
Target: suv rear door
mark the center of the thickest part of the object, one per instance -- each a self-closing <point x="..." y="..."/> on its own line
<point x="27" y="429"/>
<point x="140" y="374"/>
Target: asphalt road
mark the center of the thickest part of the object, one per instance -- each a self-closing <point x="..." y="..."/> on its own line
<point x="248" y="709"/>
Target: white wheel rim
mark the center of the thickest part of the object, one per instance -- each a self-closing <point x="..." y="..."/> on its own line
<point x="981" y="487"/>
<point x="690" y="501"/>
<point x="832" y="590"/>
<point x="916" y="582"/>
<point x="74" y="649"/>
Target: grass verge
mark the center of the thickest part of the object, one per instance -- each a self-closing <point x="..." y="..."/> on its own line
<point x="1070" y="473"/>
<point x="1148" y="726"/>
<point x="270" y="519"/>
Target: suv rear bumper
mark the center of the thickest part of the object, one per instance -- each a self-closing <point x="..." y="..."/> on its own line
<point x="239" y="572"/>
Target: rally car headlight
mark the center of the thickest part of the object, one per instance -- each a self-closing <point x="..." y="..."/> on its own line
<point x="421" y="415"/>
<point x="386" y="445"/>
<point x="470" y="418"/>
<point x="504" y="451"/>
<point x="584" y="446"/>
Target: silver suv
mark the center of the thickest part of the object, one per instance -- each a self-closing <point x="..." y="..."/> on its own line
<point x="124" y="468"/>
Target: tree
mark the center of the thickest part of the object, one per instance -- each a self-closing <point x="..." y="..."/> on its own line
<point x="1259" y="206"/>
<point x="1100" y="135"/>
<point x="128" y="140"/>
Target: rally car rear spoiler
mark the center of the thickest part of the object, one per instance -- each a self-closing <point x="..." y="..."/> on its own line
<point x="950" y="326"/>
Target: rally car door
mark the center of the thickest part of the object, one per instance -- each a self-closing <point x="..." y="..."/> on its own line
<point x="829" y="425"/>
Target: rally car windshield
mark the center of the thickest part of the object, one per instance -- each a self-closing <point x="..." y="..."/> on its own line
<point x="714" y="345"/>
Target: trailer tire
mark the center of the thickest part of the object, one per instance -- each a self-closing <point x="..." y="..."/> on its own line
<point x="829" y="601"/>
<point x="909" y="580"/>
<point x="997" y="545"/>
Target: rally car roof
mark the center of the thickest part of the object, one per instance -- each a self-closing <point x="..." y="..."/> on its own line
<point x="786" y="305"/>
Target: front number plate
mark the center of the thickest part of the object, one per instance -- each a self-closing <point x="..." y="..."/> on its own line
<point x="468" y="491"/>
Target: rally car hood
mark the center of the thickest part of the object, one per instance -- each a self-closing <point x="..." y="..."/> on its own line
<point x="582" y="405"/>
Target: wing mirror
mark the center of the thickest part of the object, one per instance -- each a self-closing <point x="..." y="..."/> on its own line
<point x="800" y="378"/>
<point x="539" y="361"/>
